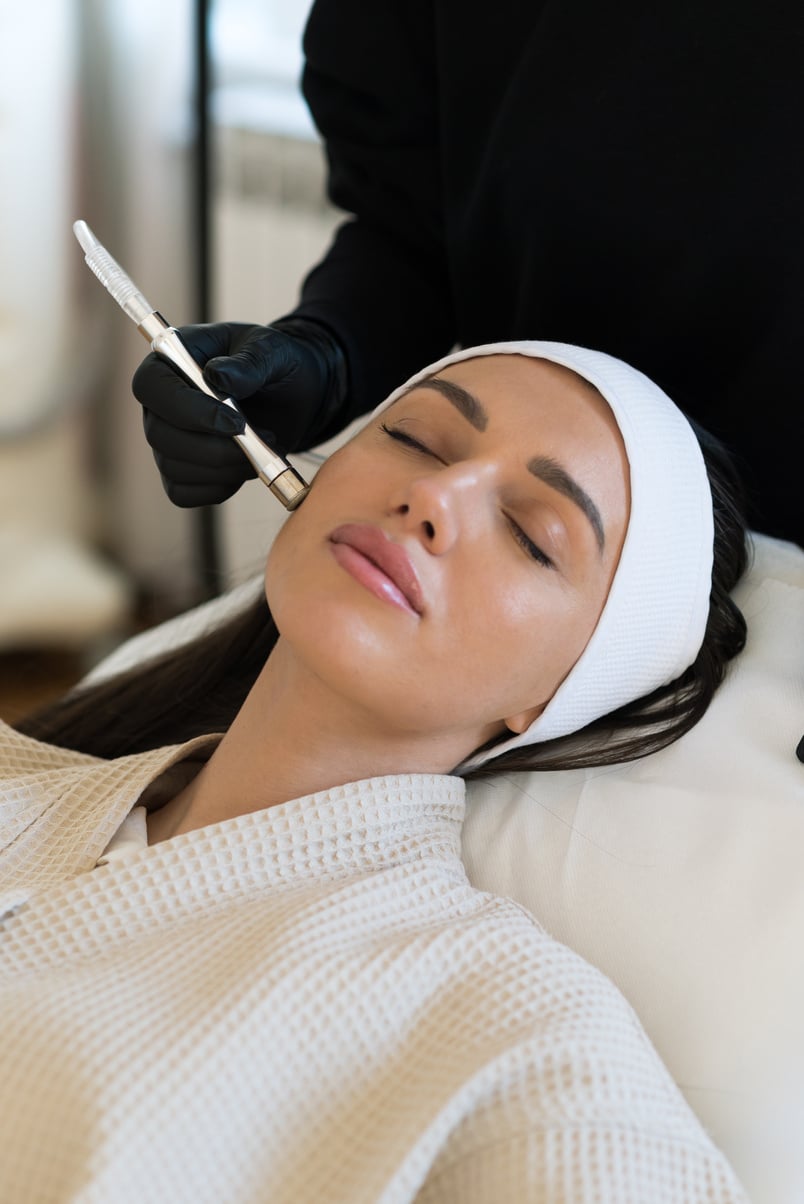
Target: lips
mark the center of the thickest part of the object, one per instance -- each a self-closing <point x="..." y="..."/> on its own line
<point x="378" y="563"/>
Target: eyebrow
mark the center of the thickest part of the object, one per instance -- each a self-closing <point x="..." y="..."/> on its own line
<point x="543" y="467"/>
<point x="551" y="472"/>
<point x="464" y="401"/>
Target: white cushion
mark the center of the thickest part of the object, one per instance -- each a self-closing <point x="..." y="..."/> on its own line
<point x="680" y="876"/>
<point x="175" y="632"/>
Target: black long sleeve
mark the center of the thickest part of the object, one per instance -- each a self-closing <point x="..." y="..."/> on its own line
<point x="627" y="177"/>
<point x="383" y="288"/>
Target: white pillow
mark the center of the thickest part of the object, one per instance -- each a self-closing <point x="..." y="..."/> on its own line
<point x="176" y="631"/>
<point x="680" y="876"/>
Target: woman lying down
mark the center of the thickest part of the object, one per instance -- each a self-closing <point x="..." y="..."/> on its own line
<point x="251" y="967"/>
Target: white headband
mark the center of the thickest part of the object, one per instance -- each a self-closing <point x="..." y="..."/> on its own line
<point x="653" y="623"/>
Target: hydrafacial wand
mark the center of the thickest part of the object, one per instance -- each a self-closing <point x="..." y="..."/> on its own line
<point x="272" y="469"/>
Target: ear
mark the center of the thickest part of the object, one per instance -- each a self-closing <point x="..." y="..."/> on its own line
<point x="521" y="722"/>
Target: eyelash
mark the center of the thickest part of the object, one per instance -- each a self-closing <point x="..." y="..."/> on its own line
<point x="532" y="549"/>
<point x="403" y="437"/>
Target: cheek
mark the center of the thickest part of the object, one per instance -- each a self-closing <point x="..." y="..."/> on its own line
<point x="308" y="525"/>
<point x="537" y="642"/>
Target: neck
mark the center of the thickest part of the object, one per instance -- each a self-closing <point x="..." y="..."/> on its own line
<point x="292" y="738"/>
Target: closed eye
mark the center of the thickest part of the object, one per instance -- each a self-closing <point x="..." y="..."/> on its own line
<point x="394" y="432"/>
<point x="533" y="550"/>
<point x="527" y="544"/>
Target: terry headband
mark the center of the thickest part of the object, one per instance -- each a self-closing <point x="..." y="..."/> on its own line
<point x="653" y="622"/>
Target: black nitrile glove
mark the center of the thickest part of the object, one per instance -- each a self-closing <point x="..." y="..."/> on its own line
<point x="288" y="379"/>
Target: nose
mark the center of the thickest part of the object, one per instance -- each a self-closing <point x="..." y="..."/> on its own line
<point x="437" y="507"/>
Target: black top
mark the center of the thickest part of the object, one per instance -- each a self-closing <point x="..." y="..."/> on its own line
<point x="626" y="177"/>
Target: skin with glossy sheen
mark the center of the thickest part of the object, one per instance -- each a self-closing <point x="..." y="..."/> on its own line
<point x="436" y="586"/>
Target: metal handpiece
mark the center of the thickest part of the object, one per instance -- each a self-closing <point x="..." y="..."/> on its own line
<point x="273" y="470"/>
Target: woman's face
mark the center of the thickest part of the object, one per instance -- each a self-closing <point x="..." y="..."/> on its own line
<point x="451" y="561"/>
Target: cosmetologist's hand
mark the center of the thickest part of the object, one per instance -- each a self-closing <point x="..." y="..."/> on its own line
<point x="288" y="379"/>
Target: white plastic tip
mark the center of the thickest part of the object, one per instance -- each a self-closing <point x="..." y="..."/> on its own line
<point x="85" y="236"/>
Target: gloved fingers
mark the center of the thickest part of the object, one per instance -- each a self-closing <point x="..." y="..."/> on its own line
<point x="204" y="340"/>
<point x="266" y="357"/>
<point x="163" y="391"/>
<point x="208" y="451"/>
<point x="227" y="476"/>
<point x="191" y="496"/>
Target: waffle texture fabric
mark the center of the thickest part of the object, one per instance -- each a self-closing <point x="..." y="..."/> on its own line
<point x="653" y="623"/>
<point x="307" y="1003"/>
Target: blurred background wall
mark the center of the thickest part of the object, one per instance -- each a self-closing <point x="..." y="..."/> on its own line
<point x="99" y="119"/>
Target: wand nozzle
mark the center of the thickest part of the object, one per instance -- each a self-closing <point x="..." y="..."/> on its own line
<point x="273" y="470"/>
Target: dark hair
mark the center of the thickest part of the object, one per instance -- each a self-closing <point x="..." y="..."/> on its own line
<point x="198" y="688"/>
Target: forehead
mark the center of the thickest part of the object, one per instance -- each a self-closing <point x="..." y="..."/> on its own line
<point x="545" y="399"/>
<point x="521" y="378"/>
